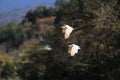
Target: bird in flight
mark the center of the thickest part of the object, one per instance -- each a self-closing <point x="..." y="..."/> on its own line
<point x="67" y="30"/>
<point x="73" y="49"/>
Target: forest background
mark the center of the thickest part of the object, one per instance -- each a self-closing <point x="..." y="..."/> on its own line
<point x="36" y="49"/>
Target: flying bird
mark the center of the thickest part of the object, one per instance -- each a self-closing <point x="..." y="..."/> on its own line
<point x="73" y="49"/>
<point x="67" y="30"/>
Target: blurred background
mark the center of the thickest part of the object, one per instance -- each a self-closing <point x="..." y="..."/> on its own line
<point x="32" y="45"/>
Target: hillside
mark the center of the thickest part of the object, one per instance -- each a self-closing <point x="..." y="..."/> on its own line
<point x="15" y="15"/>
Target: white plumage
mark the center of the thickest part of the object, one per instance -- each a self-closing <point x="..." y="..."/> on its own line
<point x="67" y="30"/>
<point x="73" y="49"/>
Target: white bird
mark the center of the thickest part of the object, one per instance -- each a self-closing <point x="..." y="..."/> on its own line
<point x="73" y="49"/>
<point x="67" y="30"/>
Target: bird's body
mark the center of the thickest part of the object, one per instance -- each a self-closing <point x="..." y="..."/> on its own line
<point x="73" y="49"/>
<point x="67" y="30"/>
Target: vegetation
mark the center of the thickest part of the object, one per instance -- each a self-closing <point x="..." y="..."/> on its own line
<point x="97" y="31"/>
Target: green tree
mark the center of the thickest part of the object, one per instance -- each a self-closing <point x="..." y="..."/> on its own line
<point x="39" y="12"/>
<point x="12" y="33"/>
<point x="96" y="24"/>
<point x="93" y="22"/>
<point x="7" y="66"/>
<point x="31" y="65"/>
<point x="7" y="71"/>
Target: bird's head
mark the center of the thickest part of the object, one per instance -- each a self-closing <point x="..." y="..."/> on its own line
<point x="70" y="45"/>
<point x="63" y="29"/>
<point x="77" y="46"/>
